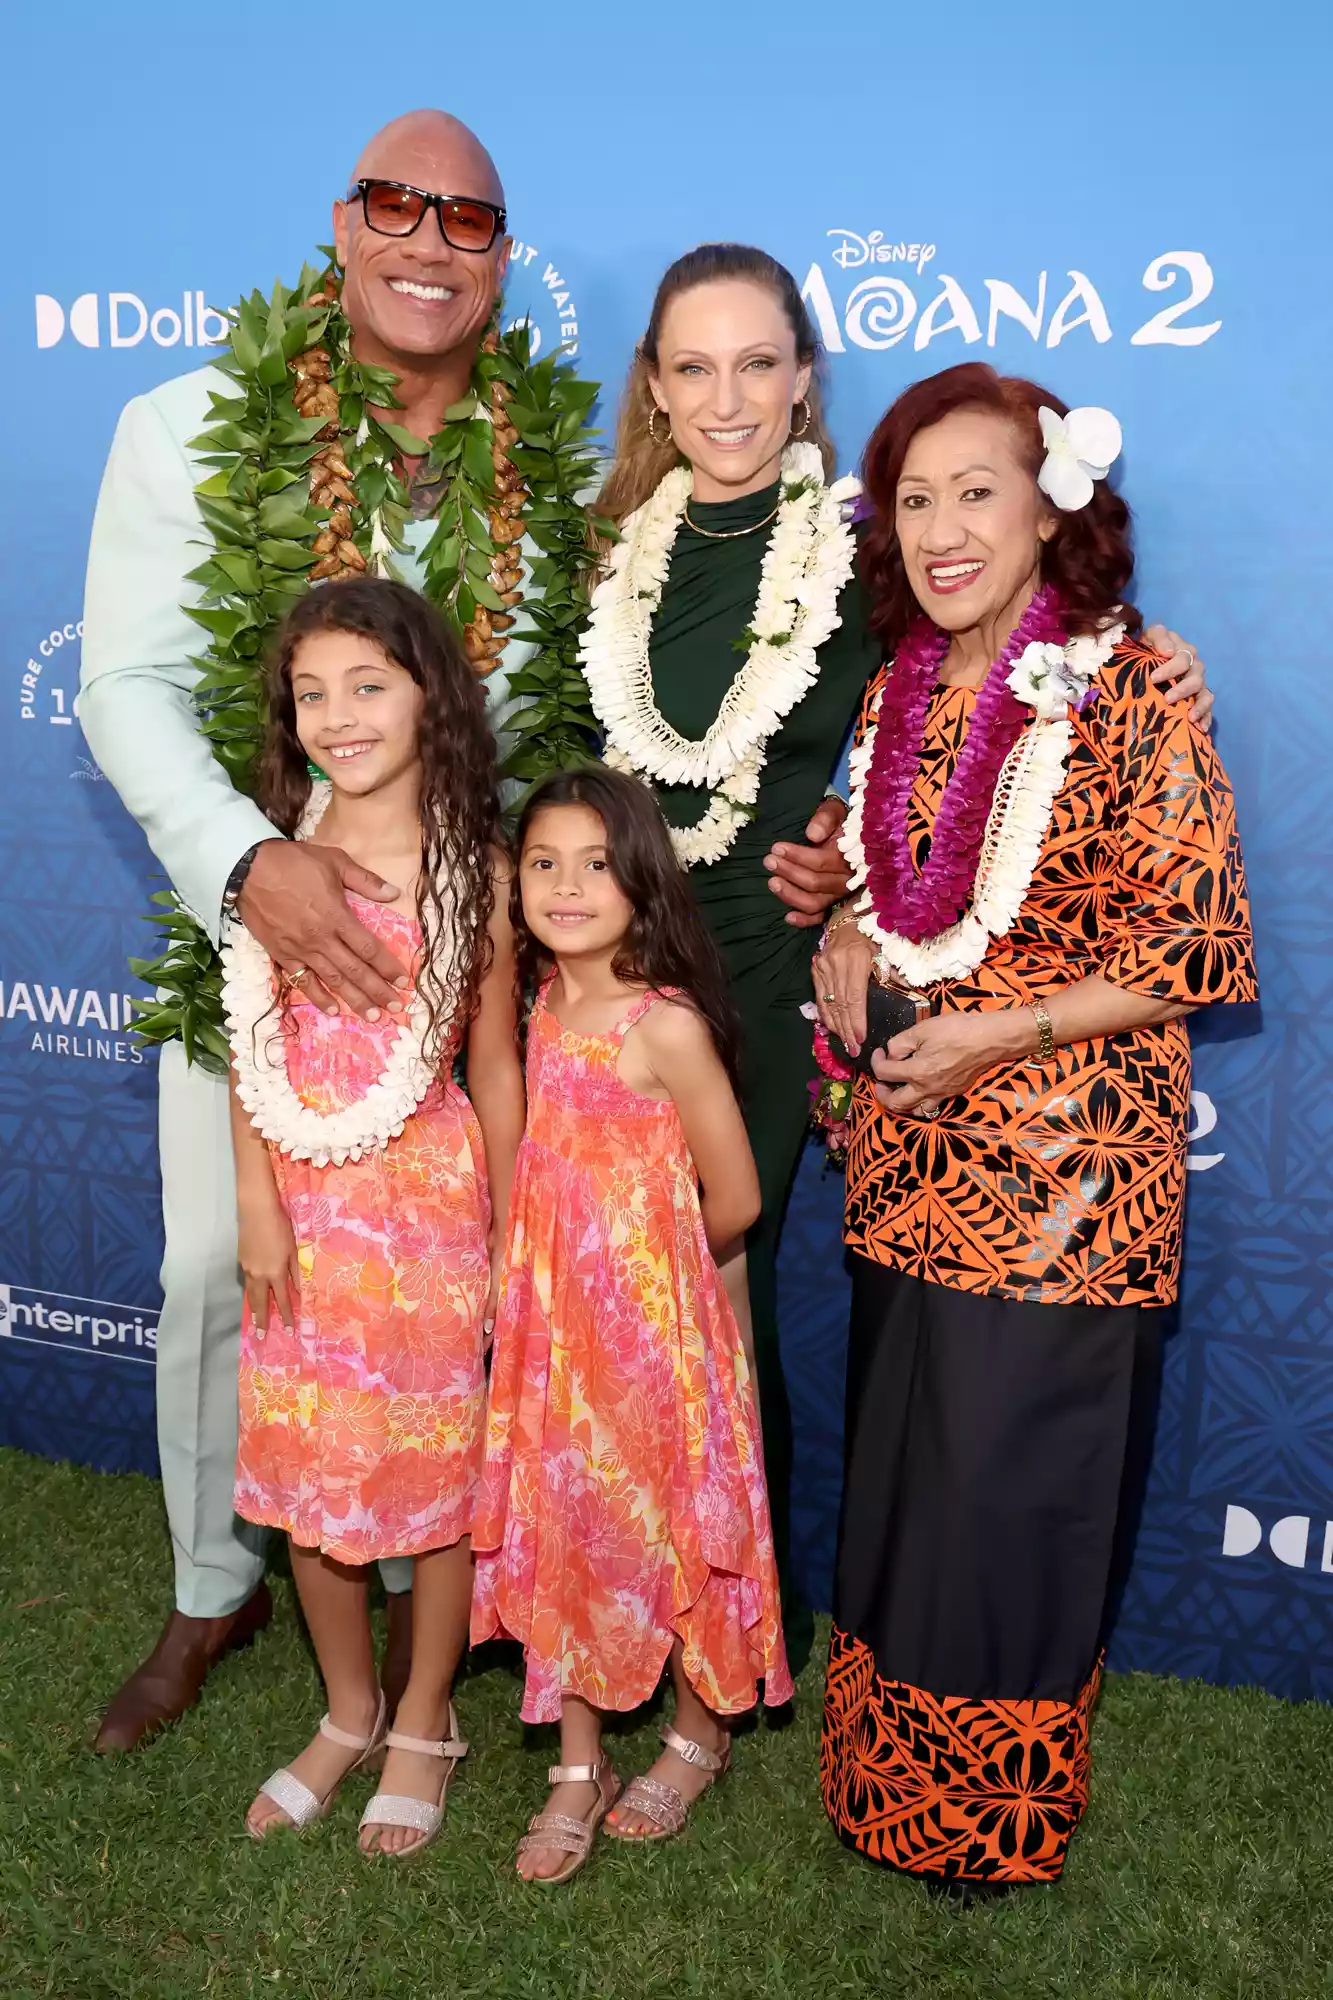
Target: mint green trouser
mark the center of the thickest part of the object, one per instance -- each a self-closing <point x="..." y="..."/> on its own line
<point x="219" y="1558"/>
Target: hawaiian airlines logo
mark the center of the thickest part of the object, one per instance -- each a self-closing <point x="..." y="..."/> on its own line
<point x="93" y="1326"/>
<point x="80" y="1023"/>
<point x="903" y="299"/>
<point x="125" y="320"/>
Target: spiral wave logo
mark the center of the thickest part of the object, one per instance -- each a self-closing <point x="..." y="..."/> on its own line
<point x="879" y="311"/>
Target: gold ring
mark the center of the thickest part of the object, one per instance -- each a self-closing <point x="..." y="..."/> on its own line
<point x="929" y="1110"/>
<point x="295" y="977"/>
<point x="829" y="998"/>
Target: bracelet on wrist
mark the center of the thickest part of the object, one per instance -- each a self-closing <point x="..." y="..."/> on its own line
<point x="839" y="921"/>
<point x="1045" y="1032"/>
<point x="235" y="882"/>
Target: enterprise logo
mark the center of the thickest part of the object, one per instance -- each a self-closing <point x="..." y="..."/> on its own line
<point x="93" y="1326"/>
<point x="127" y="320"/>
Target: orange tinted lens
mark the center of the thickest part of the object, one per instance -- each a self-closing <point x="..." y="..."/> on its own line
<point x="393" y="211"/>
<point x="468" y="225"/>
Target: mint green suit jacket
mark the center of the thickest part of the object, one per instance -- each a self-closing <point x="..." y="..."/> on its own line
<point x="135" y="698"/>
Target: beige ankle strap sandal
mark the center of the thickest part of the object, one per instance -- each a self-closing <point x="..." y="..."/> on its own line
<point x="662" y="1804"/>
<point x="561" y="1831"/>
<point x="302" y="1806"/>
<point x="423" y="1816"/>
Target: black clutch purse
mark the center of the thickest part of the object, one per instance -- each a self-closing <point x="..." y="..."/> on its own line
<point x="888" y="1011"/>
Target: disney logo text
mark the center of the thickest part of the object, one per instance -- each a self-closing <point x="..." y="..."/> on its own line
<point x="873" y="249"/>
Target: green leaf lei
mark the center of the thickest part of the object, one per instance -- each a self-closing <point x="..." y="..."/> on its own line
<point x="257" y="507"/>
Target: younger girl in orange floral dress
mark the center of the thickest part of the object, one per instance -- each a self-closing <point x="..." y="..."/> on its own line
<point x="623" y="1521"/>
<point x="362" y="1185"/>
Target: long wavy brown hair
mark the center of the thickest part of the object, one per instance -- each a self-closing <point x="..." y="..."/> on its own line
<point x="1090" y="557"/>
<point x="460" y="818"/>
<point x="668" y="942"/>
<point x="640" y="462"/>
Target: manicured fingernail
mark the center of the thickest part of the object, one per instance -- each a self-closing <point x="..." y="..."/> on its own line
<point x="402" y="981"/>
<point x="373" y="1014"/>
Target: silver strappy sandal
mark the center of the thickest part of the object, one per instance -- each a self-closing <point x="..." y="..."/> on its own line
<point x="302" y="1806"/>
<point x="396" y="1809"/>
<point x="663" y="1804"/>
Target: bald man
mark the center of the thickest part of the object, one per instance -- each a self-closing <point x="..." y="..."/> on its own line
<point x="419" y="306"/>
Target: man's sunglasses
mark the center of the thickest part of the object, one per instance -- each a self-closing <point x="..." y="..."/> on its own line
<point x="391" y="208"/>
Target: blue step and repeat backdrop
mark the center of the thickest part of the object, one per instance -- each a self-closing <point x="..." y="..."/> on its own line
<point x="1129" y="205"/>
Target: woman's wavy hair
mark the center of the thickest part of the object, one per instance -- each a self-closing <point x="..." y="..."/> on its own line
<point x="1089" y="559"/>
<point x="460" y="821"/>
<point x="668" y="942"/>
<point x="641" y="463"/>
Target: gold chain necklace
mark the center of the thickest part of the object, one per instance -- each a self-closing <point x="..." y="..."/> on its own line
<point x="729" y="534"/>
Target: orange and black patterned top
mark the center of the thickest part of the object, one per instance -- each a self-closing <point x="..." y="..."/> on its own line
<point x="1065" y="1183"/>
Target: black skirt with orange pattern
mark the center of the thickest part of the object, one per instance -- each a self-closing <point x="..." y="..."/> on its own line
<point x="996" y="1452"/>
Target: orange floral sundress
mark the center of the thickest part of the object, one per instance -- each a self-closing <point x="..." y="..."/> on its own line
<point x="362" y="1430"/>
<point x="623" y="1500"/>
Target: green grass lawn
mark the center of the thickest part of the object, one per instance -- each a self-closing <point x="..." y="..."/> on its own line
<point x="1202" y="1867"/>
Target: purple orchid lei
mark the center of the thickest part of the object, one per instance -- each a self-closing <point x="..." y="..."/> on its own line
<point x="921" y="906"/>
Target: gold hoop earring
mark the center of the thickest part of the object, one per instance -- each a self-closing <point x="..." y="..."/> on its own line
<point x="652" y="426"/>
<point x="805" y="418"/>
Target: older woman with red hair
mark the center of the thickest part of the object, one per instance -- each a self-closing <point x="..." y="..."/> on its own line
<point x="1046" y="880"/>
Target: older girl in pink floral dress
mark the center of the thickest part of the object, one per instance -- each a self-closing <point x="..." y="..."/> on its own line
<point x="362" y="1183"/>
<point x="362" y="1421"/>
<point x="623" y="1521"/>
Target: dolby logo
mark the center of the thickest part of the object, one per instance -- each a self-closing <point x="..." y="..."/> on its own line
<point x="1289" y="1539"/>
<point x="122" y="319"/>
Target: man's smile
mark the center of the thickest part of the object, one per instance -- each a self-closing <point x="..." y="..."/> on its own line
<point x="411" y="288"/>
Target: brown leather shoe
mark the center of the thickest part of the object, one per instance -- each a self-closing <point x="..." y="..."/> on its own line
<point x="397" y="1663"/>
<point x="171" y="1679"/>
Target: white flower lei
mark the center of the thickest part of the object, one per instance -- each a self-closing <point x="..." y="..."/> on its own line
<point x="262" y="1083"/>
<point x="809" y="558"/>
<point x="1046" y="677"/>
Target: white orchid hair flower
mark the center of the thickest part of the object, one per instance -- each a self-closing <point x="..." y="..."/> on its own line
<point x="1080" y="448"/>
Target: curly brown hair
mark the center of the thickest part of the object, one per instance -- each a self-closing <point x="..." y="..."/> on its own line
<point x="1090" y="557"/>
<point x="460" y="814"/>
<point x="668" y="943"/>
